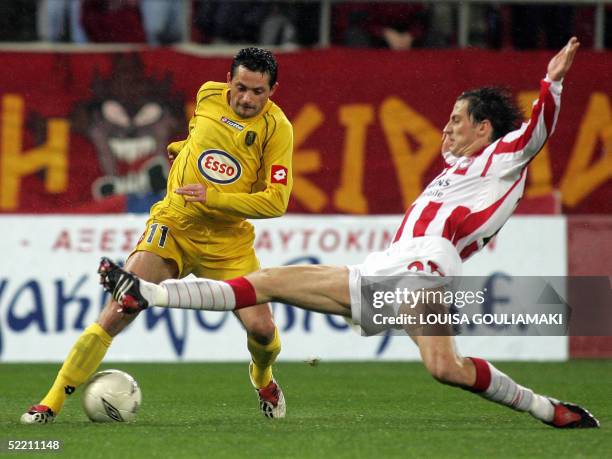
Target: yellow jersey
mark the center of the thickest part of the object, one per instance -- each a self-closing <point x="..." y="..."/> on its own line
<point x="244" y="163"/>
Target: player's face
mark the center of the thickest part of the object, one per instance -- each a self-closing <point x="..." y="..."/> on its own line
<point x="464" y="135"/>
<point x="249" y="91"/>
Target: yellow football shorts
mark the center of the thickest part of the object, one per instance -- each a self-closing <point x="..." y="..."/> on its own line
<point x="204" y="249"/>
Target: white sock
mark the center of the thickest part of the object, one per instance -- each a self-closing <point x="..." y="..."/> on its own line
<point x="196" y="293"/>
<point x="504" y="390"/>
<point x="155" y="294"/>
<point x="542" y="408"/>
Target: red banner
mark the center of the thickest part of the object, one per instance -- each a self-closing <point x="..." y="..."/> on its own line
<point x="87" y="131"/>
<point x="589" y="255"/>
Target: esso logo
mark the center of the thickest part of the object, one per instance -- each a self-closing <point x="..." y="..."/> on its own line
<point x="219" y="167"/>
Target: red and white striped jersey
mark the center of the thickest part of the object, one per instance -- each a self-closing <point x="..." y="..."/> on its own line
<point x="472" y="198"/>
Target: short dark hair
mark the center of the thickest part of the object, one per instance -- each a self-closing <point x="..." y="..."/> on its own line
<point x="493" y="104"/>
<point x="256" y="60"/>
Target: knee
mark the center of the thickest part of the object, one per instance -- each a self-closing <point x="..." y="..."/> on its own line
<point x="443" y="368"/>
<point x="262" y="330"/>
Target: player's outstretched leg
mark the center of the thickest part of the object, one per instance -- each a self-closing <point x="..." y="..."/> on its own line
<point x="322" y="288"/>
<point x="482" y="378"/>
<point x="135" y="294"/>
<point x="325" y="289"/>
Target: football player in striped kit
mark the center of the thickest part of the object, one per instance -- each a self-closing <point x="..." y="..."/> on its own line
<point x="459" y="211"/>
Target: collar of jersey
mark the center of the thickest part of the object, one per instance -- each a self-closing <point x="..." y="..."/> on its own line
<point x="451" y="159"/>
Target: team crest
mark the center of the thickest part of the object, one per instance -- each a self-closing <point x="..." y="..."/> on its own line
<point x="250" y="138"/>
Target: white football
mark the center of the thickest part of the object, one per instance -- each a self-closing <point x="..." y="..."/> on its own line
<point x="111" y="396"/>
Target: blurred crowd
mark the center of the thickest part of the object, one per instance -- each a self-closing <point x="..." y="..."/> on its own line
<point x="379" y="24"/>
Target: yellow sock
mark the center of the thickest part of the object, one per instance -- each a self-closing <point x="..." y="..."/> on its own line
<point x="263" y="356"/>
<point x="84" y="358"/>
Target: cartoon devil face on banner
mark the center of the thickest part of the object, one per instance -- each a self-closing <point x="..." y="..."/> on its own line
<point x="130" y="120"/>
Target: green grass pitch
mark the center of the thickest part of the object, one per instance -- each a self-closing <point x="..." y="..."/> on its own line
<point x="350" y="410"/>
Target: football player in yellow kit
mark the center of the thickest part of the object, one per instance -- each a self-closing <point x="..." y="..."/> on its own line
<point x="235" y="164"/>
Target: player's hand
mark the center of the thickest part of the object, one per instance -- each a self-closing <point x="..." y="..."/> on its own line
<point x="561" y="63"/>
<point x="195" y="192"/>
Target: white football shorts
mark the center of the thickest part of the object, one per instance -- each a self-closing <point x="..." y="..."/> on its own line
<point x="422" y="256"/>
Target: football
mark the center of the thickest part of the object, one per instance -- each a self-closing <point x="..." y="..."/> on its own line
<point x="111" y="396"/>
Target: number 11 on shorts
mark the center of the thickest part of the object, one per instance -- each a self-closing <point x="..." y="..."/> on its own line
<point x="162" y="238"/>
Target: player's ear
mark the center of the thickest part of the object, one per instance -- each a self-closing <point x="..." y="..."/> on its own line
<point x="229" y="77"/>
<point x="273" y="89"/>
<point x="485" y="129"/>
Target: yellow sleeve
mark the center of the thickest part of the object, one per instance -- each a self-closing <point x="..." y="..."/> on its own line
<point x="271" y="202"/>
<point x="175" y="148"/>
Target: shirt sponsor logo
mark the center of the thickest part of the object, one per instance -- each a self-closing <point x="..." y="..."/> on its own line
<point x="441" y="183"/>
<point x="278" y="174"/>
<point x="232" y="123"/>
<point x="436" y="188"/>
<point x="219" y="167"/>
